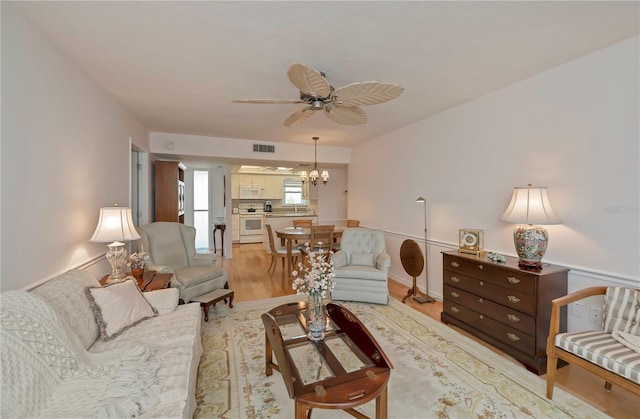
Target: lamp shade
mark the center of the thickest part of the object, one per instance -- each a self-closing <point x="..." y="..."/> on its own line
<point x="115" y="224"/>
<point x="530" y="205"/>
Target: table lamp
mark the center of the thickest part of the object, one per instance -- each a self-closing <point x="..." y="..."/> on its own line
<point x="530" y="207"/>
<point x="115" y="225"/>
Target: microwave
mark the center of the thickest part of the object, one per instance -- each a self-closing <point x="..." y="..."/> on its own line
<point x="251" y="192"/>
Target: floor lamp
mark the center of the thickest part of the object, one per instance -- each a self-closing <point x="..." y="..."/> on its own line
<point x="424" y="298"/>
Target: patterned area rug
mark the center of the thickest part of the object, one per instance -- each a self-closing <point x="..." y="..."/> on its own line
<point x="438" y="373"/>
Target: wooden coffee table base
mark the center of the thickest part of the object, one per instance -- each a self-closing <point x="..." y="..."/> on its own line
<point x="303" y="407"/>
<point x="211" y="298"/>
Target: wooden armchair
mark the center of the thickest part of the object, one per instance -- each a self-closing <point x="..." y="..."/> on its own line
<point x="598" y="351"/>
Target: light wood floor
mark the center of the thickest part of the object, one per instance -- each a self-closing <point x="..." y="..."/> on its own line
<point x="248" y="277"/>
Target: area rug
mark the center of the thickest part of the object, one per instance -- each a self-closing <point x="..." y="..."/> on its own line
<point x="438" y="372"/>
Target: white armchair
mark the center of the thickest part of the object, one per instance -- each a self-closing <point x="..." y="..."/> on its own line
<point x="171" y="249"/>
<point x="361" y="267"/>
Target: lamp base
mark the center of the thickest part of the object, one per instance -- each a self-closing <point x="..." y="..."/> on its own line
<point x="423" y="299"/>
<point x="117" y="257"/>
<point x="531" y="244"/>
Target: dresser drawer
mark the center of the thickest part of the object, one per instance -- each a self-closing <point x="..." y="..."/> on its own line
<point x="510" y="336"/>
<point x="515" y="280"/>
<point x="510" y="298"/>
<point x="505" y="315"/>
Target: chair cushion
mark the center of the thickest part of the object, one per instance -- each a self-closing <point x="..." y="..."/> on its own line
<point x="621" y="310"/>
<point x="602" y="349"/>
<point x="194" y="275"/>
<point x="362" y="259"/>
<point x="361" y="272"/>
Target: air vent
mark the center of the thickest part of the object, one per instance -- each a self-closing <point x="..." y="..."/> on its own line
<point x="264" y="148"/>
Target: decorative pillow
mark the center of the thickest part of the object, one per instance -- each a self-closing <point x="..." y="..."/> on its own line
<point x="362" y="259"/>
<point x="164" y="301"/>
<point x="118" y="306"/>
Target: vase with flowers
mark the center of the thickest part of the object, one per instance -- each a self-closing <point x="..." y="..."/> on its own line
<point x="136" y="262"/>
<point x="315" y="279"/>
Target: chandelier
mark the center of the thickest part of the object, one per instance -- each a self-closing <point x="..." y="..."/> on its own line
<point x="313" y="175"/>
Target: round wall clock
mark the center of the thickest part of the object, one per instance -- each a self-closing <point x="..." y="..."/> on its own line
<point x="470" y="241"/>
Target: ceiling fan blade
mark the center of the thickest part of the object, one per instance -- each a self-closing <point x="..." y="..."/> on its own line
<point x="366" y="93"/>
<point x="346" y="115"/>
<point x="309" y="81"/>
<point x="299" y="116"/>
<point x="267" y="101"/>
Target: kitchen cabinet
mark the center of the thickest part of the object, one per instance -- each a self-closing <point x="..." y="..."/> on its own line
<point x="273" y="186"/>
<point x="251" y="180"/>
<point x="169" y="191"/>
<point x="235" y="228"/>
<point x="503" y="305"/>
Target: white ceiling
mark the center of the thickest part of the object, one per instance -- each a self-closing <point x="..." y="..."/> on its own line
<point x="178" y="65"/>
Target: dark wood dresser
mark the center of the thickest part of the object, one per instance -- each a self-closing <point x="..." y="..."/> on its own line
<point x="503" y="305"/>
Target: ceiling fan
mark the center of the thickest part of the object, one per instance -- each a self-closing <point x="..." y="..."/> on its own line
<point x="340" y="105"/>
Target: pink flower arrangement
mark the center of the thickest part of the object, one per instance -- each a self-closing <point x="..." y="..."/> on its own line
<point x="315" y="279"/>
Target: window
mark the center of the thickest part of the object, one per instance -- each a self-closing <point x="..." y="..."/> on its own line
<point x="201" y="208"/>
<point x="292" y="192"/>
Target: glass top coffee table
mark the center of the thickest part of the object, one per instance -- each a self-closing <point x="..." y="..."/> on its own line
<point x="344" y="370"/>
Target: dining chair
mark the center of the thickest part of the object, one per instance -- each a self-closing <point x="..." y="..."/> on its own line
<point x="353" y="223"/>
<point x="321" y="238"/>
<point x="303" y="223"/>
<point x="278" y="252"/>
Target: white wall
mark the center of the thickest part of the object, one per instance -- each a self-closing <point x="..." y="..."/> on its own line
<point x="332" y="197"/>
<point x="65" y="153"/>
<point x="573" y="129"/>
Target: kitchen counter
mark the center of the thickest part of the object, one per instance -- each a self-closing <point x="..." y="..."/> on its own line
<point x="289" y="214"/>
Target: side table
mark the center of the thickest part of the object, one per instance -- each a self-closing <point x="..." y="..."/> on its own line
<point x="220" y="227"/>
<point x="151" y="281"/>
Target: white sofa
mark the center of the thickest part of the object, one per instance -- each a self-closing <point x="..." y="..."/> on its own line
<point x="57" y="363"/>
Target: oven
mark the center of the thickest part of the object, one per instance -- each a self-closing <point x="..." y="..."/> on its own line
<point x="252" y="229"/>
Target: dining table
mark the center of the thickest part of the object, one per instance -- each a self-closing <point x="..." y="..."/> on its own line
<point x="288" y="235"/>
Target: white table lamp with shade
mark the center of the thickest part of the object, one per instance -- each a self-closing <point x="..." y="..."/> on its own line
<point x="115" y="226"/>
<point x="530" y="208"/>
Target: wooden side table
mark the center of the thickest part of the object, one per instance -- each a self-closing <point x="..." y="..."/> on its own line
<point x="151" y="281"/>
<point x="220" y="227"/>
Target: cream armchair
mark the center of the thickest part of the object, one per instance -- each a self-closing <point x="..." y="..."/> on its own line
<point x="361" y="267"/>
<point x="171" y="248"/>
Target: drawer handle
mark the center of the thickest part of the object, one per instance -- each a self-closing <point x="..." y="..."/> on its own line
<point x="513" y="318"/>
<point x="480" y="300"/>
<point x="513" y="280"/>
<point x="455" y="279"/>
<point x="481" y="317"/>
<point x="455" y="294"/>
<point x="513" y="299"/>
<point x="481" y="283"/>
<point x="455" y="309"/>
<point x="455" y="264"/>
<point x="480" y="267"/>
<point x="513" y="337"/>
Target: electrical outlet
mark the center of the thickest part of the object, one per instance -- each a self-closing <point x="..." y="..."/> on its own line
<point x="595" y="316"/>
<point x="577" y="310"/>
